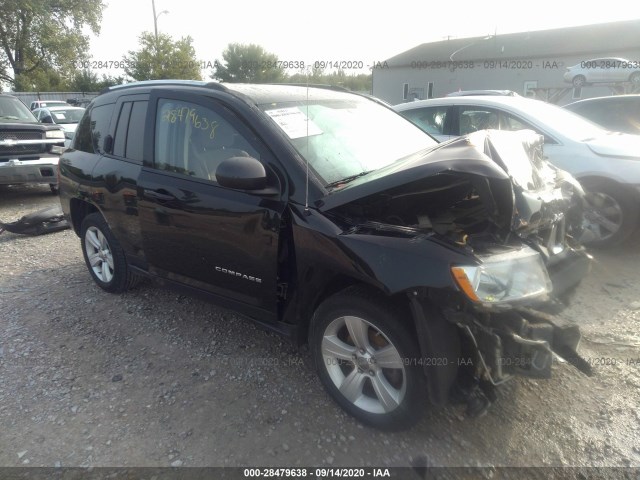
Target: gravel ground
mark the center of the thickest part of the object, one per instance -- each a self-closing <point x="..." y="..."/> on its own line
<point x="156" y="378"/>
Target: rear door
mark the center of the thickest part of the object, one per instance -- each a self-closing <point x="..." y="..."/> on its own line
<point x="194" y="231"/>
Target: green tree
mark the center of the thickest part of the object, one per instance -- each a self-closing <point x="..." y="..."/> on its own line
<point x="43" y="79"/>
<point x="40" y="36"/>
<point x="163" y="59"/>
<point x="87" y="81"/>
<point x="357" y="82"/>
<point x="248" y="64"/>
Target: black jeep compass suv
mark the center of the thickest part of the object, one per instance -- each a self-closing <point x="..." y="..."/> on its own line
<point x="412" y="269"/>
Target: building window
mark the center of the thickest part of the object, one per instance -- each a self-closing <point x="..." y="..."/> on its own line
<point x="405" y="91"/>
<point x="430" y="90"/>
<point x="416" y="94"/>
<point x="528" y="90"/>
<point x="577" y="93"/>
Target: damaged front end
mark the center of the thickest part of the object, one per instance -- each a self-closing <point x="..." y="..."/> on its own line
<point x="511" y="219"/>
<point x="513" y="291"/>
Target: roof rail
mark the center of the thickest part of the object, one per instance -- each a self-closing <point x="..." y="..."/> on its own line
<point x="316" y="85"/>
<point x="197" y="83"/>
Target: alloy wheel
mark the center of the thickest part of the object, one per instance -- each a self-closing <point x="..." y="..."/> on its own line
<point x="364" y="365"/>
<point x="604" y="216"/>
<point x="99" y="254"/>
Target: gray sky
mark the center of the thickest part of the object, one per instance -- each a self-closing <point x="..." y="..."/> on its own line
<point x="336" y="30"/>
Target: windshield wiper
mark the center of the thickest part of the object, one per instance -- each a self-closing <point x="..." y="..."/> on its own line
<point x="9" y="117"/>
<point x="347" y="179"/>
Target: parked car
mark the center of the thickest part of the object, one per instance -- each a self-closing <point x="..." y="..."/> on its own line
<point x="67" y="117"/>
<point x="603" y="70"/>
<point x="29" y="151"/>
<point x="607" y="164"/>
<point x="47" y="103"/>
<point x="466" y="93"/>
<point x="328" y="218"/>
<point x="618" y="113"/>
<point x="79" y="102"/>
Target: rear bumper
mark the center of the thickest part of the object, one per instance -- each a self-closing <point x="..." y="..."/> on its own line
<point x="40" y="170"/>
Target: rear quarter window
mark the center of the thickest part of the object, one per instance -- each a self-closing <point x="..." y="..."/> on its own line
<point x="93" y="129"/>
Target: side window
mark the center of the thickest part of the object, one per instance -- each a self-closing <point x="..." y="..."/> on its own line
<point x="129" y="134"/>
<point x="120" y="140"/>
<point x="431" y="119"/>
<point x="473" y="119"/>
<point x="82" y="138"/>
<point x="100" y="118"/>
<point x="93" y="128"/>
<point x="135" y="132"/>
<point x="193" y="140"/>
<point x="512" y="123"/>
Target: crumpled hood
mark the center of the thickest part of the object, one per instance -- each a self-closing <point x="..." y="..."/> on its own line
<point x="520" y="191"/>
<point x="616" y="145"/>
<point x="459" y="155"/>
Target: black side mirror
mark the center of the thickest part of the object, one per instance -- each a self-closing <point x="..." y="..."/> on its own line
<point x="47" y="119"/>
<point x="242" y="173"/>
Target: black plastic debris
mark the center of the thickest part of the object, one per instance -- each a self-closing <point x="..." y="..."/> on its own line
<point x="47" y="220"/>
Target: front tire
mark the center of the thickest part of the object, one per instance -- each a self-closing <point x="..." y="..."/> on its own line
<point x="104" y="256"/>
<point x="611" y="214"/>
<point x="579" y="81"/>
<point x="366" y="359"/>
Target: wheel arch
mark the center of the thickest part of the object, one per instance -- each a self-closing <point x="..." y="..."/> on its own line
<point x="612" y="182"/>
<point x="438" y="339"/>
<point x="340" y="283"/>
<point x="79" y="209"/>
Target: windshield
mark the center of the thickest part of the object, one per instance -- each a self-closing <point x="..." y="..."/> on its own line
<point x="563" y="121"/>
<point x="13" y="110"/>
<point x="346" y="138"/>
<point x="71" y="115"/>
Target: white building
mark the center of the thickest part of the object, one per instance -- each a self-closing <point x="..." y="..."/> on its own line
<point x="529" y="63"/>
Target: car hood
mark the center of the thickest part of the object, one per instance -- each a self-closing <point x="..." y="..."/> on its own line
<point x="494" y="176"/>
<point x="616" y="145"/>
<point x="458" y="155"/>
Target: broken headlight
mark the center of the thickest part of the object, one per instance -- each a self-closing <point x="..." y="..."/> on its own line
<point x="504" y="277"/>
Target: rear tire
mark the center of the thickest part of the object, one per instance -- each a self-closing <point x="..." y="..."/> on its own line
<point x="104" y="256"/>
<point x="366" y="359"/>
<point x="611" y="214"/>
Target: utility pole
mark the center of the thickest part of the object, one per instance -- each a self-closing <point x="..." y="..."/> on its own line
<point x="155" y="19"/>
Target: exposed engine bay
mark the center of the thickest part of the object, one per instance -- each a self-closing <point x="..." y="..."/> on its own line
<point x="541" y="204"/>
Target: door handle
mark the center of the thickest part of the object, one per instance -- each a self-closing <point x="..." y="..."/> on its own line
<point x="158" y="195"/>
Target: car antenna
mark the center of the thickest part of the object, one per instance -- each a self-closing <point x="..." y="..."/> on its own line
<point x="306" y="193"/>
